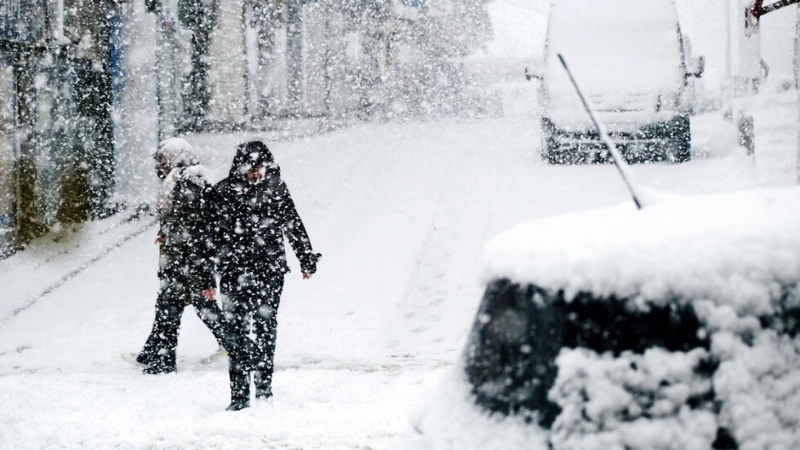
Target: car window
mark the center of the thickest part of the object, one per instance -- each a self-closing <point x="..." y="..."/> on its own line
<point x="521" y="329"/>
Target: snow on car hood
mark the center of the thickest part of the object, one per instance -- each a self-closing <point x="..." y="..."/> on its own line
<point x="739" y="250"/>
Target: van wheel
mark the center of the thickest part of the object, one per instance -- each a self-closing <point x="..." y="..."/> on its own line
<point x="555" y="157"/>
<point x="681" y="146"/>
<point x="683" y="155"/>
<point x="550" y="149"/>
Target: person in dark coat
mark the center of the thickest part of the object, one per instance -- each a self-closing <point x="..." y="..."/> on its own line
<point x="251" y="211"/>
<point x="186" y="270"/>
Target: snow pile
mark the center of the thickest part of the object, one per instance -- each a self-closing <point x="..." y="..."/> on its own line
<point x="737" y="250"/>
<point x="758" y="387"/>
<point x="665" y="400"/>
<point x="449" y="420"/>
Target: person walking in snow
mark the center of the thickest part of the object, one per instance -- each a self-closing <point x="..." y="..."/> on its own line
<point x="251" y="211"/>
<point x="186" y="270"/>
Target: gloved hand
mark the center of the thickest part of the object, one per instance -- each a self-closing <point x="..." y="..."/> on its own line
<point x="308" y="263"/>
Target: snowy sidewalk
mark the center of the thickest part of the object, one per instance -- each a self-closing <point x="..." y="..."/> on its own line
<point x="50" y="261"/>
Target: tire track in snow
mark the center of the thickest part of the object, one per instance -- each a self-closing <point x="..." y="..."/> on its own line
<point x="440" y="279"/>
<point x="402" y="364"/>
<point x="397" y="364"/>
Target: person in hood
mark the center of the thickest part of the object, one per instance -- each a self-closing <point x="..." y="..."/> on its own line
<point x="251" y="212"/>
<point x="186" y="270"/>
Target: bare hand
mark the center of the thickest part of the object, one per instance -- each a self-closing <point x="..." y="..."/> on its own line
<point x="209" y="294"/>
<point x="307" y="276"/>
<point x="160" y="240"/>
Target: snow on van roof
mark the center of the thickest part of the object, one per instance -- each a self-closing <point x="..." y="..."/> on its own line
<point x="736" y="249"/>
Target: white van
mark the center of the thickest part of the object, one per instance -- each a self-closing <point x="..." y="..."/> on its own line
<point x="630" y="59"/>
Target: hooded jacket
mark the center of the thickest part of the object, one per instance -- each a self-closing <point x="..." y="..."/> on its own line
<point x="250" y="219"/>
<point x="186" y="251"/>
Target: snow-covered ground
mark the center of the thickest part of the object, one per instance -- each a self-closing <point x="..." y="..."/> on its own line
<point x="400" y="213"/>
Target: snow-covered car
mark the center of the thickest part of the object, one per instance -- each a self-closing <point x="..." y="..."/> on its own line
<point x="673" y="327"/>
<point x="631" y="59"/>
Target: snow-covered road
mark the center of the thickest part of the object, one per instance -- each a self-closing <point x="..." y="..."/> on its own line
<point x="400" y="213"/>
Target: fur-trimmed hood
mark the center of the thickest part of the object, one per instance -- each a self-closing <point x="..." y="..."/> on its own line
<point x="180" y="159"/>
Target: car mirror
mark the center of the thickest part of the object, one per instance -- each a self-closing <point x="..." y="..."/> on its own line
<point x="532" y="75"/>
<point x="699" y="68"/>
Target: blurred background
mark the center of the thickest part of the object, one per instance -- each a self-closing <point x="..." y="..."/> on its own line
<point x="89" y="87"/>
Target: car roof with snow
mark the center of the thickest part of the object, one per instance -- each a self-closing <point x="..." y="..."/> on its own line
<point x="737" y="249"/>
<point x="672" y="327"/>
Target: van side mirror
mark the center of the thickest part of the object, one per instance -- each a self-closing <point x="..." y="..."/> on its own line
<point x="532" y="75"/>
<point x="700" y="68"/>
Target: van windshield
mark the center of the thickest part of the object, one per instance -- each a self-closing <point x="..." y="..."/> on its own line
<point x="615" y="46"/>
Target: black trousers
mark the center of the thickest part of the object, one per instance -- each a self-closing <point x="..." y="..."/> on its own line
<point x="159" y="350"/>
<point x="257" y="297"/>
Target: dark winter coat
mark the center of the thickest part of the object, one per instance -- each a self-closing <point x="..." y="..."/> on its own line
<point x="187" y="251"/>
<point x="249" y="220"/>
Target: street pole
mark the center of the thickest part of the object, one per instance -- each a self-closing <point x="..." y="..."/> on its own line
<point x="28" y="223"/>
<point x="745" y="68"/>
<point x="758" y="10"/>
<point x="294" y="55"/>
<point x="797" y="87"/>
<point x="199" y="17"/>
<point x="92" y="167"/>
<point x="270" y="16"/>
<point x="167" y="83"/>
<point x="729" y="53"/>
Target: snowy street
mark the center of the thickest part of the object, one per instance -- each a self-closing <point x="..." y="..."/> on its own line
<point x="400" y="213"/>
<point x="470" y="274"/>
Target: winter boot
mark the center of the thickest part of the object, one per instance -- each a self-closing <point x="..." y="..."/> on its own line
<point x="263" y="385"/>
<point x="145" y="358"/>
<point x="238" y="405"/>
<point x="163" y="363"/>
<point x="240" y="398"/>
<point x="263" y="394"/>
<point x="240" y="389"/>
